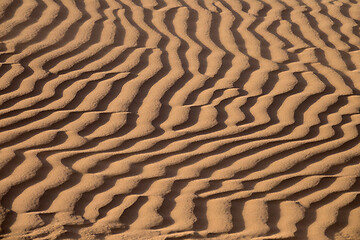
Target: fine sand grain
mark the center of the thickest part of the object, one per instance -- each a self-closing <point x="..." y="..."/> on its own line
<point x="180" y="119"/>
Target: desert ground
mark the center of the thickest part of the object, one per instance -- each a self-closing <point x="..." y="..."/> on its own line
<point x="180" y="119"/>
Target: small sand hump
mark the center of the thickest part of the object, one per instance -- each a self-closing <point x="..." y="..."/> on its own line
<point x="180" y="119"/>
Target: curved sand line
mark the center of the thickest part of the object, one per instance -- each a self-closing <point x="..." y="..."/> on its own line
<point x="167" y="119"/>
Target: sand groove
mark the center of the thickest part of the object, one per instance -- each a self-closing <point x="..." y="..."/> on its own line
<point x="180" y="119"/>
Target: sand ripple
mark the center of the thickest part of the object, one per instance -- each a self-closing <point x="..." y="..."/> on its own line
<point x="180" y="119"/>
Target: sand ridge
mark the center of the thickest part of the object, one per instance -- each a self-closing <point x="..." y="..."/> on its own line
<point x="180" y="119"/>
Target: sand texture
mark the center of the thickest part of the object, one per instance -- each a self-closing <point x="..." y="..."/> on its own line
<point x="180" y="119"/>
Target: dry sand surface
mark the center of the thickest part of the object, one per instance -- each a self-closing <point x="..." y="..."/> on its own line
<point x="180" y="119"/>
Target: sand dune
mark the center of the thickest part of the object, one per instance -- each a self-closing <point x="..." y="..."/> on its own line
<point x="180" y="119"/>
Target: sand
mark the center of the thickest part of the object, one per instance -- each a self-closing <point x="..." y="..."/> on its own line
<point x="180" y="119"/>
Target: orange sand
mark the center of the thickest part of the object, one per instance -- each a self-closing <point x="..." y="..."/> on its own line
<point x="180" y="119"/>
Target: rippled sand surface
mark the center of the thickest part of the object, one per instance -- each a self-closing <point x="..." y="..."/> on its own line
<point x="180" y="119"/>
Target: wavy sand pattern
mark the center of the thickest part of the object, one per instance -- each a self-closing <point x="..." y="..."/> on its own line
<point x="180" y="119"/>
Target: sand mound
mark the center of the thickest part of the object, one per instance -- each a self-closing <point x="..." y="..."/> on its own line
<point x="180" y="119"/>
